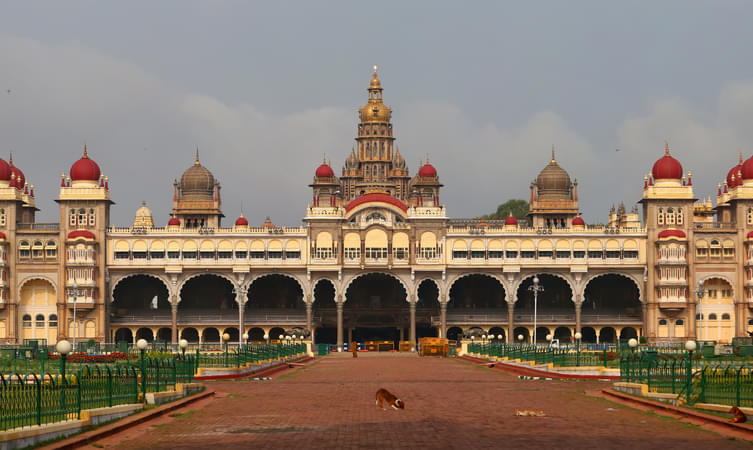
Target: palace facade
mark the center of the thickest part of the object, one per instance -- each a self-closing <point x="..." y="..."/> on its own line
<point x="378" y="258"/>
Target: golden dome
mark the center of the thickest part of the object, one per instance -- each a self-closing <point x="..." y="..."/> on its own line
<point x="197" y="182"/>
<point x="143" y="211"/>
<point x="143" y="217"/>
<point x="374" y="110"/>
<point x="553" y="181"/>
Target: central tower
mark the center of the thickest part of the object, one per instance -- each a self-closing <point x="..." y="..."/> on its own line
<point x="375" y="164"/>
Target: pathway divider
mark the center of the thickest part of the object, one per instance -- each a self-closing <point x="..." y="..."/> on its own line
<point x="533" y="371"/>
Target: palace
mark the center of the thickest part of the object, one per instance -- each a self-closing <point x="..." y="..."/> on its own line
<point x="378" y="258"/>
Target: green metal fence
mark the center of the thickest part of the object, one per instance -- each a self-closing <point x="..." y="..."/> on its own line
<point x="564" y="357"/>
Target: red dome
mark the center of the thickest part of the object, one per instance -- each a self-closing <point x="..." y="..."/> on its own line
<point x="241" y="222"/>
<point x="578" y="221"/>
<point x="324" y="171"/>
<point x="376" y="197"/>
<point x="667" y="167"/>
<point x="735" y="171"/>
<point x="85" y="169"/>
<point x="5" y="170"/>
<point x="268" y="223"/>
<point x="84" y="234"/>
<point x="19" y="178"/>
<point x="511" y="220"/>
<point x="672" y="233"/>
<point x="747" y="169"/>
<point x="427" y="171"/>
<point x="173" y="222"/>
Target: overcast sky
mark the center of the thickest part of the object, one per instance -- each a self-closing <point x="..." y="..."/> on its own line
<point x="266" y="89"/>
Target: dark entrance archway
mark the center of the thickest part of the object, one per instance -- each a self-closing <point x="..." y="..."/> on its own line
<point x="611" y="295"/>
<point x="275" y="294"/>
<point x="554" y="302"/>
<point x="376" y="308"/>
<point x="133" y="299"/>
<point x="207" y="298"/>
<point x="427" y="309"/>
<point x="324" y="312"/>
<point x="124" y="335"/>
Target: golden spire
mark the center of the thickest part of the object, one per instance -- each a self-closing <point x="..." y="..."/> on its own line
<point x="741" y="158"/>
<point x="196" y="162"/>
<point x="10" y="160"/>
<point x="86" y="154"/>
<point x="554" y="161"/>
<point x="666" y="148"/>
<point x="375" y="83"/>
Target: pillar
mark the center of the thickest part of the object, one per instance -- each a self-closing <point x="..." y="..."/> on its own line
<point x="413" y="326"/>
<point x="174" y="322"/>
<point x="578" y="307"/>
<point x="443" y="320"/>
<point x="402" y="333"/>
<point x="309" y="326"/>
<point x="350" y="335"/>
<point x="690" y="328"/>
<point x="62" y="321"/>
<point x="242" y="298"/>
<point x="510" y="322"/>
<point x="339" y="327"/>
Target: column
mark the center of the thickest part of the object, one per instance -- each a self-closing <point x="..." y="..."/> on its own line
<point x="62" y="322"/>
<point x="174" y="322"/>
<point x="402" y="333"/>
<point x="511" y="323"/>
<point x="412" y="326"/>
<point x="309" y="308"/>
<point x="443" y="320"/>
<point x="12" y="323"/>
<point x="350" y="335"/>
<point x="339" y="327"/>
<point x="242" y="316"/>
<point x="578" y="307"/>
<point x="690" y="328"/>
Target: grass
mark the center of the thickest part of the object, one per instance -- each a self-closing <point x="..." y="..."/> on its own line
<point x="183" y="415"/>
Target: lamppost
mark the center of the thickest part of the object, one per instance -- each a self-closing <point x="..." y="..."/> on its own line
<point x="183" y="344"/>
<point x="75" y="293"/>
<point x="699" y="294"/>
<point x="578" y="337"/>
<point x="242" y="291"/>
<point x="63" y="347"/>
<point x="225" y="338"/>
<point x="535" y="288"/>
<point x="549" y="340"/>
<point x="690" y="346"/>
<point x="141" y="345"/>
<point x="632" y="343"/>
<point x="245" y="338"/>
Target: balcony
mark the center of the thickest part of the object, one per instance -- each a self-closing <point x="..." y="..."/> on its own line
<point x="49" y="227"/>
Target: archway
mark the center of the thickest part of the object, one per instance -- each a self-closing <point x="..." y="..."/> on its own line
<point x="274" y="333"/>
<point x="476" y="293"/>
<point x="588" y="335"/>
<point x="496" y="332"/>
<point x="376" y="309"/>
<point x="522" y="331"/>
<point x="190" y="334"/>
<point x="145" y="333"/>
<point x="165" y="334"/>
<point x="256" y="334"/>
<point x="207" y="295"/>
<point x="38" y="300"/>
<point x="210" y="335"/>
<point x="612" y="296"/>
<point x="133" y="299"/>
<point x="562" y="334"/>
<point x="233" y="332"/>
<point x="628" y="333"/>
<point x="607" y="335"/>
<point x="541" y="333"/>
<point x="454" y="333"/>
<point x="124" y="335"/>
<point x="324" y="311"/>
<point x="427" y="307"/>
<point x="553" y="302"/>
<point x="275" y="292"/>
<point x="715" y="316"/>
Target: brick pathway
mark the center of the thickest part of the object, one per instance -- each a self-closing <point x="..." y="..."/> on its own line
<point x="449" y="404"/>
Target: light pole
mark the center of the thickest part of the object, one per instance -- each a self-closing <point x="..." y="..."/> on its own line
<point x="63" y="347"/>
<point x="225" y="338"/>
<point x="549" y="339"/>
<point x="75" y="293"/>
<point x="699" y="294"/>
<point x="690" y="346"/>
<point x="535" y="288"/>
<point x="632" y="343"/>
<point x="578" y="337"/>
<point x="242" y="291"/>
<point x="245" y="338"/>
<point x="141" y="345"/>
<point x="183" y="344"/>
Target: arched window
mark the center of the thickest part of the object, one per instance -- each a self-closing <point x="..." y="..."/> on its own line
<point x="679" y="322"/>
<point x="679" y="217"/>
<point x="712" y="316"/>
<point x="725" y="316"/>
<point x="92" y="216"/>
<point x="670" y="216"/>
<point x="662" y="321"/>
<point x="40" y="320"/>
<point x="37" y="249"/>
<point x="72" y="216"/>
<point x="660" y="217"/>
<point x="24" y="249"/>
<point x="26" y="321"/>
<point x="53" y="320"/>
<point x="82" y="217"/>
<point x="51" y="249"/>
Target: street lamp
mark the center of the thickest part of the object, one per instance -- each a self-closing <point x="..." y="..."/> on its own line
<point x="549" y="339"/>
<point x="245" y="338"/>
<point x="578" y="337"/>
<point x="690" y="346"/>
<point x="75" y="293"/>
<point x="63" y="347"/>
<point x="520" y="338"/>
<point x="242" y="291"/>
<point x="699" y="294"/>
<point x="183" y="344"/>
<point x="632" y="343"/>
<point x="141" y="344"/>
<point x="535" y="288"/>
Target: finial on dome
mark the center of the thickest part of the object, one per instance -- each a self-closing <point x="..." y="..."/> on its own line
<point x="86" y="154"/>
<point x="10" y="160"/>
<point x="553" y="160"/>
<point x="143" y="202"/>
<point x="196" y="163"/>
<point x="741" y="157"/>
<point x="375" y="69"/>
<point x="666" y="148"/>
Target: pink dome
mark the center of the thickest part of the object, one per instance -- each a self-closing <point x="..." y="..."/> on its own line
<point x="324" y="171"/>
<point x="173" y="222"/>
<point x="5" y="170"/>
<point x="241" y="221"/>
<point x="578" y="221"/>
<point x="427" y="171"/>
<point x="511" y="220"/>
<point x="667" y="167"/>
<point x="85" y="169"/>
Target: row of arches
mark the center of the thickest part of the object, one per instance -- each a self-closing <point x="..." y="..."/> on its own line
<point x="590" y="335"/>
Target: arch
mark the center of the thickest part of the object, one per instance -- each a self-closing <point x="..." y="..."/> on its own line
<point x="579" y="246"/>
<point x="545" y="245"/>
<point x="722" y="277"/>
<point x="436" y="283"/>
<point x="400" y="240"/>
<point x="124" y="335"/>
<point x="173" y="246"/>
<point x="275" y="245"/>
<point x="292" y="245"/>
<point x="145" y="333"/>
<point x="196" y="275"/>
<point x="206" y="246"/>
<point x="190" y="334"/>
<point x="478" y="245"/>
<point x="628" y="276"/>
<point x="607" y="335"/>
<point x="477" y="291"/>
<point x="233" y="333"/>
<point x="210" y="334"/>
<point x="562" y="245"/>
<point x="225" y="246"/>
<point x="594" y="245"/>
<point x="527" y="245"/>
<point x="630" y="244"/>
<point x="275" y="291"/>
<point x="293" y="277"/>
<point x="630" y="333"/>
<point x="521" y="331"/>
<point x="454" y="333"/>
<point x="90" y="329"/>
<point x="114" y="283"/>
<point x="156" y="246"/>
<point x="122" y="246"/>
<point x="256" y="334"/>
<point x="189" y="246"/>
<point x="552" y="274"/>
<point x="613" y="245"/>
<point x="353" y="278"/>
<point x="459" y="245"/>
<point x="375" y="238"/>
<point x="209" y="292"/>
<point x="496" y="332"/>
<point x="325" y="292"/>
<point x="275" y="332"/>
<point x="541" y="333"/>
<point x="31" y="278"/>
<point x="511" y="246"/>
<point x="588" y="335"/>
<point x="139" y="246"/>
<point x="323" y="239"/>
<point x="495" y="245"/>
<point x="428" y="239"/>
<point x="563" y="334"/>
<point x="165" y="334"/>
<point x="35" y="282"/>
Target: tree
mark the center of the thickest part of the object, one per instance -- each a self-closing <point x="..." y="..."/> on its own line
<point x="518" y="208"/>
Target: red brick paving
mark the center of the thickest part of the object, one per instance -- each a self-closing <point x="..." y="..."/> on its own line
<point x="449" y="404"/>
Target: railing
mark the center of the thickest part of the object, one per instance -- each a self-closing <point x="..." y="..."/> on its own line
<point x="38" y="226"/>
<point x="569" y="356"/>
<point x="501" y="318"/>
<point x="500" y="229"/>
<point x="202" y="231"/>
<point x="715" y="226"/>
<point x="250" y="317"/>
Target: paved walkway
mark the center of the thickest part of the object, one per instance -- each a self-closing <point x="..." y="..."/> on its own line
<point x="449" y="404"/>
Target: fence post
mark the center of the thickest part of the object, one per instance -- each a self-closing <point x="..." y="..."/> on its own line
<point x="156" y="378"/>
<point x="39" y="400"/>
<point x="605" y="357"/>
<point x="737" y="386"/>
<point x="689" y="377"/>
<point x="109" y="386"/>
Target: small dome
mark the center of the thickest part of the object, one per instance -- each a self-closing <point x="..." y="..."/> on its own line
<point x="241" y="221"/>
<point x="747" y="169"/>
<point x="427" y="171"/>
<point x="750" y="235"/>
<point x="81" y="234"/>
<point x="197" y="182"/>
<point x="553" y="180"/>
<point x="511" y="220"/>
<point x="268" y="223"/>
<point x="143" y="211"/>
<point x="667" y="167"/>
<point x="578" y="222"/>
<point x="173" y="222"/>
<point x="85" y="169"/>
<point x="5" y="170"/>
<point x="324" y="171"/>
<point x="736" y="173"/>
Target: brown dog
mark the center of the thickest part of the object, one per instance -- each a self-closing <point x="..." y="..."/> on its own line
<point x="739" y="416"/>
<point x="383" y="395"/>
<point x="354" y="348"/>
